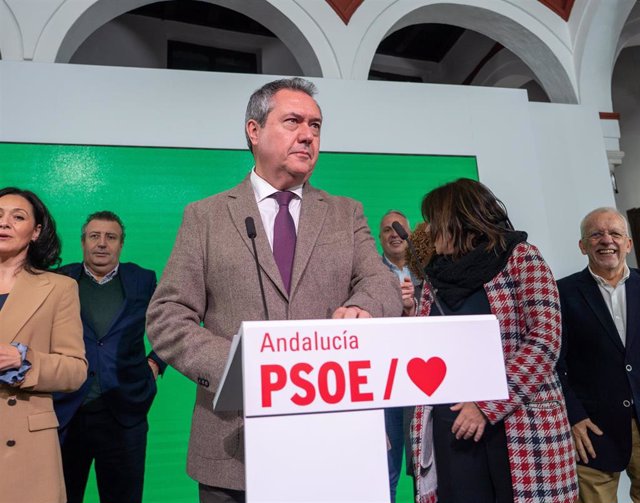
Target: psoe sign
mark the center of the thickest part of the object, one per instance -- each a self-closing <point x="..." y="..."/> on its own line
<point x="298" y="367"/>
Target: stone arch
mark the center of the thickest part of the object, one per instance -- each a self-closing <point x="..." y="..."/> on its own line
<point x="630" y="36"/>
<point x="598" y="44"/>
<point x="548" y="59"/>
<point x="504" y="70"/>
<point x="76" y="21"/>
<point x="11" y="45"/>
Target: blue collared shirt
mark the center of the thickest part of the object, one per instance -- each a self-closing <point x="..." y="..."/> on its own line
<point x="106" y="278"/>
<point x="400" y="273"/>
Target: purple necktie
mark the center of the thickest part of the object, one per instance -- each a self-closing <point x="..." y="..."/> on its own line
<point x="284" y="237"/>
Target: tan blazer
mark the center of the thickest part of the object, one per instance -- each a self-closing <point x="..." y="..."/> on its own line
<point x="42" y="312"/>
<point x="211" y="277"/>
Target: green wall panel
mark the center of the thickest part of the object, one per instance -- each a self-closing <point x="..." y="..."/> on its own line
<point x="148" y="188"/>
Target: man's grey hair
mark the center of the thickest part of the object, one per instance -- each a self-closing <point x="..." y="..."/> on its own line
<point x="261" y="101"/>
<point x="604" y="209"/>
<point x="396" y="212"/>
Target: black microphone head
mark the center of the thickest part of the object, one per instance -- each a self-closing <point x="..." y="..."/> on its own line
<point x="251" y="227"/>
<point x="399" y="230"/>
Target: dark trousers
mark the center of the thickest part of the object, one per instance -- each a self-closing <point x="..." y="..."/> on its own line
<point x="470" y="471"/>
<point x="118" y="452"/>
<point x="211" y="494"/>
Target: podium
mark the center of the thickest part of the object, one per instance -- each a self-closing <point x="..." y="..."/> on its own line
<point x="312" y="392"/>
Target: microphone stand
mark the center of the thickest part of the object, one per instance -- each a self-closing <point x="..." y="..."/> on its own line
<point x="251" y="233"/>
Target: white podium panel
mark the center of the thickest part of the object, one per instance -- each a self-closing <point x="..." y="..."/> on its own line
<point x="338" y="457"/>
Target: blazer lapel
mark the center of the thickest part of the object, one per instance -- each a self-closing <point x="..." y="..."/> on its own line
<point x="26" y="296"/>
<point x="632" y="287"/>
<point x="242" y="204"/>
<point x="312" y="215"/>
<point x="592" y="295"/>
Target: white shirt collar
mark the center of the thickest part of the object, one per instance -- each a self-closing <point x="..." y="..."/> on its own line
<point x="263" y="189"/>
<point x="106" y="278"/>
<point x="603" y="282"/>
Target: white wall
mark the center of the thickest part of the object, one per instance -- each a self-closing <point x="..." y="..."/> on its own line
<point x="545" y="161"/>
<point x="575" y="173"/>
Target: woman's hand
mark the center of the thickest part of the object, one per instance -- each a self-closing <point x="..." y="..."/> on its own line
<point x="470" y="421"/>
<point x="10" y="357"/>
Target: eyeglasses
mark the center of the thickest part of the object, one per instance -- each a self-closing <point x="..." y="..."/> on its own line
<point x="598" y="235"/>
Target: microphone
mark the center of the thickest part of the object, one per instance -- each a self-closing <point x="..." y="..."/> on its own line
<point x="251" y="234"/>
<point x="251" y="228"/>
<point x="400" y="231"/>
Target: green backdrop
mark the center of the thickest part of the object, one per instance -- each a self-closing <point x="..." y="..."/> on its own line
<point x="148" y="188"/>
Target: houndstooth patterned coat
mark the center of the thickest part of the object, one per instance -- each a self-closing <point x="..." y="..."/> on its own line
<point x="524" y="298"/>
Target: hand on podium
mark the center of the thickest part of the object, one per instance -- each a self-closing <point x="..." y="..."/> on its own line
<point x="350" y="312"/>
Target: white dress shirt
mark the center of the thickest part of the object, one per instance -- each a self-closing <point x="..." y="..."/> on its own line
<point x="615" y="297"/>
<point x="268" y="206"/>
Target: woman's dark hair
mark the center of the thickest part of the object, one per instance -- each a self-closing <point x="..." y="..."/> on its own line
<point x="466" y="211"/>
<point x="44" y="252"/>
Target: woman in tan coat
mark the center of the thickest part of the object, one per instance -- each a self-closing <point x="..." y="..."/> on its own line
<point x="41" y="349"/>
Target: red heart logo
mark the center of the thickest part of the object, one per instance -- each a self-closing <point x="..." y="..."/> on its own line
<point x="427" y="376"/>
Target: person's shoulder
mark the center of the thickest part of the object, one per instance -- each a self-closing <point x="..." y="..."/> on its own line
<point x="57" y="278"/>
<point x="208" y="201"/>
<point x="72" y="269"/>
<point x="204" y="206"/>
<point x="571" y="279"/>
<point x="634" y="275"/>
<point x="526" y="258"/>
<point x="524" y="251"/>
<point x="332" y="199"/>
<point x="127" y="269"/>
<point x="132" y="268"/>
<point x="525" y="247"/>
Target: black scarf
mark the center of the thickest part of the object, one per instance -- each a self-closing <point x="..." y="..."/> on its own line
<point x="455" y="280"/>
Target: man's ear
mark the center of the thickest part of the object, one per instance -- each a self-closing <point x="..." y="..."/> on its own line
<point x="253" y="131"/>
<point x="582" y="247"/>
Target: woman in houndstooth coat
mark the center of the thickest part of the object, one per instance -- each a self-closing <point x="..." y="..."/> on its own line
<point x="517" y="450"/>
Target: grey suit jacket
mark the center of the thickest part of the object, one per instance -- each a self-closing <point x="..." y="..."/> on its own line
<point x="211" y="278"/>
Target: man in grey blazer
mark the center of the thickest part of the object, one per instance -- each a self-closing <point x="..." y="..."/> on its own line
<point x="210" y="284"/>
